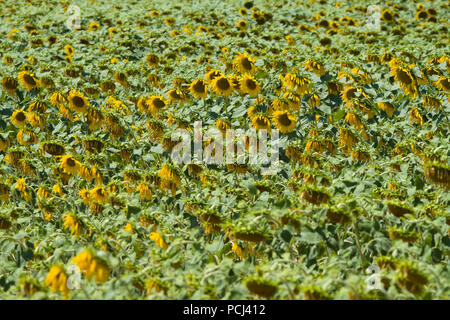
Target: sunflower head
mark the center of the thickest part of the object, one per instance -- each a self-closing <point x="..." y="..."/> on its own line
<point x="222" y="85"/>
<point x="155" y="104"/>
<point x="212" y="74"/>
<point x="284" y="121"/>
<point x="10" y="85"/>
<point x="249" y="85"/>
<point x="244" y="64"/>
<point x="28" y="81"/>
<point x="260" y="121"/>
<point x="19" y="118"/>
<point x="77" y="101"/>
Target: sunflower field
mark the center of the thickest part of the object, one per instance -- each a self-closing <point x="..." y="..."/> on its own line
<point x="92" y="205"/>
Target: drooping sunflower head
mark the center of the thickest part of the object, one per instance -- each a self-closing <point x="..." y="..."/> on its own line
<point x="156" y="104"/>
<point x="77" y="101"/>
<point x="249" y="85"/>
<point x="199" y="89"/>
<point x="443" y="83"/>
<point x="212" y="74"/>
<point x="152" y="59"/>
<point x="222" y="85"/>
<point x="69" y="164"/>
<point x="284" y="121"/>
<point x="28" y="81"/>
<point x="10" y="85"/>
<point x="99" y="194"/>
<point x="176" y="96"/>
<point x="349" y="94"/>
<point x="260" y="121"/>
<point x="19" y="118"/>
<point x="244" y="64"/>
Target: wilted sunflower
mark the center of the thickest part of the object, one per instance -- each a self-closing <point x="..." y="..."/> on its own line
<point x="260" y="121"/>
<point x="99" y="194"/>
<point x="212" y="74"/>
<point x="10" y="85"/>
<point x="71" y="222"/>
<point x="69" y="164"/>
<point x="57" y="280"/>
<point x="404" y="77"/>
<point x="314" y="66"/>
<point x="92" y="266"/>
<point x="199" y="89"/>
<point x="244" y="64"/>
<point x="19" y="118"/>
<point x="152" y="60"/>
<point x="249" y="85"/>
<point x="26" y="137"/>
<point x="443" y="83"/>
<point x="177" y="96"/>
<point x="77" y="101"/>
<point x="284" y="121"/>
<point x="222" y="86"/>
<point x="28" y="81"/>
<point x="155" y="104"/>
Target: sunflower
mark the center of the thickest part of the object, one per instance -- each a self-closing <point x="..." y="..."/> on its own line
<point x="28" y="81"/>
<point x="244" y="64"/>
<point x="10" y="85"/>
<point x="292" y="100"/>
<point x="443" y="83"/>
<point x="99" y="194"/>
<point x="71" y="222"/>
<point x="155" y="104"/>
<point x="155" y="236"/>
<point x="260" y="121"/>
<point x="223" y="125"/>
<point x="421" y="15"/>
<point x="199" y="89"/>
<point x="212" y="74"/>
<point x="314" y="100"/>
<point x="92" y="265"/>
<point x="242" y="24"/>
<point x="57" y="99"/>
<point x="404" y="77"/>
<point x="177" y="96"/>
<point x="249" y="85"/>
<point x="68" y="49"/>
<point x="314" y="66"/>
<point x="57" y="280"/>
<point x="26" y="137"/>
<point x="387" y="16"/>
<point x="93" y="26"/>
<point x="77" y="101"/>
<point x="387" y="107"/>
<point x="19" y="118"/>
<point x="284" y="121"/>
<point x="145" y="192"/>
<point x="222" y="85"/>
<point x="152" y="60"/>
<point x="69" y="164"/>
<point x="168" y="173"/>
